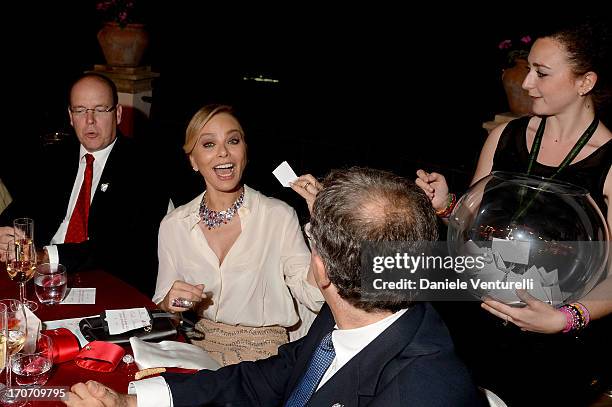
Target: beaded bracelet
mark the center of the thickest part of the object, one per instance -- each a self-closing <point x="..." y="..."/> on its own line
<point x="584" y="312"/>
<point x="577" y="316"/>
<point x="445" y="213"/>
<point x="580" y="320"/>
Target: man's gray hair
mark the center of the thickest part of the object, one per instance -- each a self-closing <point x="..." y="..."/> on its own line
<point x="364" y="204"/>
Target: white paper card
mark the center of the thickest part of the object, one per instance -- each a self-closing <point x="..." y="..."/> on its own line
<point x="513" y="251"/>
<point x="72" y="325"/>
<point x="123" y="320"/>
<point x="80" y="296"/>
<point x="285" y="174"/>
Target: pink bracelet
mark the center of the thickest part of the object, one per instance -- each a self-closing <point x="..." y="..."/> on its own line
<point x="569" y="319"/>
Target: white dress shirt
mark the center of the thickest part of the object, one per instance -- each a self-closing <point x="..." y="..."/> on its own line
<point x="252" y="285"/>
<point x="154" y="392"/>
<point x="349" y="342"/>
<point x="100" y="158"/>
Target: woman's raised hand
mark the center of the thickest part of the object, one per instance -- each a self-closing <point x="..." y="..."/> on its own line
<point x="435" y="187"/>
<point x="307" y="187"/>
<point x="182" y="296"/>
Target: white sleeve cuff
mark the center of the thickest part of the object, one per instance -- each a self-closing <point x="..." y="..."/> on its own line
<point x="53" y="254"/>
<point x="153" y="392"/>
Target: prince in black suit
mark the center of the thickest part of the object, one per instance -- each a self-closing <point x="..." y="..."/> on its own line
<point x="386" y="351"/>
<point x="126" y="206"/>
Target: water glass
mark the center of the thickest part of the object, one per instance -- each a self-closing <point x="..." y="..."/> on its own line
<point x="33" y="368"/>
<point x="50" y="283"/>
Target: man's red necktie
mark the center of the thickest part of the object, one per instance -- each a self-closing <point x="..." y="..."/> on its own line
<point x="77" y="228"/>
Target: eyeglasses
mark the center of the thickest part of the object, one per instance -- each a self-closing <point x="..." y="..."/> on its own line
<point x="82" y="110"/>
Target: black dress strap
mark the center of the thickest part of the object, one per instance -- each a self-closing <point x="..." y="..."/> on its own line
<point x="537" y="141"/>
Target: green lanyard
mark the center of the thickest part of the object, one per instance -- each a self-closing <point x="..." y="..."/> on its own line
<point x="535" y="149"/>
<point x="566" y="161"/>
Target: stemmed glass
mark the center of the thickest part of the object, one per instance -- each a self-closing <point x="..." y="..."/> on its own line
<point x="24" y="229"/>
<point x="16" y="333"/>
<point x="20" y="266"/>
<point x="24" y="239"/>
<point x="3" y="336"/>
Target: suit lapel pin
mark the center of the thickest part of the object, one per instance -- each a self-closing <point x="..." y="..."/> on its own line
<point x="104" y="187"/>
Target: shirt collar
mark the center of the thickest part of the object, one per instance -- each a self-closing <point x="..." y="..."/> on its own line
<point x="100" y="155"/>
<point x="193" y="210"/>
<point x="349" y="342"/>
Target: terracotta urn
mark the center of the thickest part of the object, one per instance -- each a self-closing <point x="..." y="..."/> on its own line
<point x="512" y="78"/>
<point x="123" y="46"/>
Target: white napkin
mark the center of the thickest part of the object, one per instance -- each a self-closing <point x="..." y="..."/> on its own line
<point x="171" y="354"/>
<point x="33" y="327"/>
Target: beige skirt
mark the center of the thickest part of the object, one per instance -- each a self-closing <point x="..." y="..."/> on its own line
<point x="229" y="344"/>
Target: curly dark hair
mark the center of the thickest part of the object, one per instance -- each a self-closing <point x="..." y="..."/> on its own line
<point x="588" y="43"/>
<point x="363" y="204"/>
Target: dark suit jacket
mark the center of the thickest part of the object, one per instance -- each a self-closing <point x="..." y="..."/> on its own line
<point x="412" y="363"/>
<point x="123" y="220"/>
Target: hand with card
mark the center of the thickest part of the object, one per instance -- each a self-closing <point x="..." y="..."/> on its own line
<point x="306" y="186"/>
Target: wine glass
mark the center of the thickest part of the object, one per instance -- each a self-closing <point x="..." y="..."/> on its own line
<point x="3" y="336"/>
<point x="24" y="233"/>
<point x="24" y="229"/>
<point x="20" y="266"/>
<point x="16" y="333"/>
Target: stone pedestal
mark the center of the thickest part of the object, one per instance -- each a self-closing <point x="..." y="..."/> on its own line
<point x="132" y="84"/>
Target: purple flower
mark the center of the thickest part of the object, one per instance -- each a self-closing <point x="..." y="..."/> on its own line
<point x="515" y="48"/>
<point x="119" y="11"/>
<point x="505" y="44"/>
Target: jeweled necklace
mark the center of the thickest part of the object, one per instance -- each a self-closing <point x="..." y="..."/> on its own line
<point x="213" y="219"/>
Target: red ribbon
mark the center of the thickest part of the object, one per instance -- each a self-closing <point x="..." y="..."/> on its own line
<point x="100" y="356"/>
<point x="65" y="344"/>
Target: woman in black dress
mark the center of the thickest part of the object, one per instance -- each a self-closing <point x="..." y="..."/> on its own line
<point x="570" y="83"/>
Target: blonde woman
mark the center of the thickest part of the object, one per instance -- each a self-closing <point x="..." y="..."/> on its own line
<point x="238" y="257"/>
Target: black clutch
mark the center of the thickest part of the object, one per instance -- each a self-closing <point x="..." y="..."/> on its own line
<point x="163" y="326"/>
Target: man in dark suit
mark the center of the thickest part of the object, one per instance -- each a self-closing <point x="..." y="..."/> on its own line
<point x="96" y="205"/>
<point x="379" y="351"/>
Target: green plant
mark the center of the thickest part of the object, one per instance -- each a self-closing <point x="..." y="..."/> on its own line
<point x="515" y="49"/>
